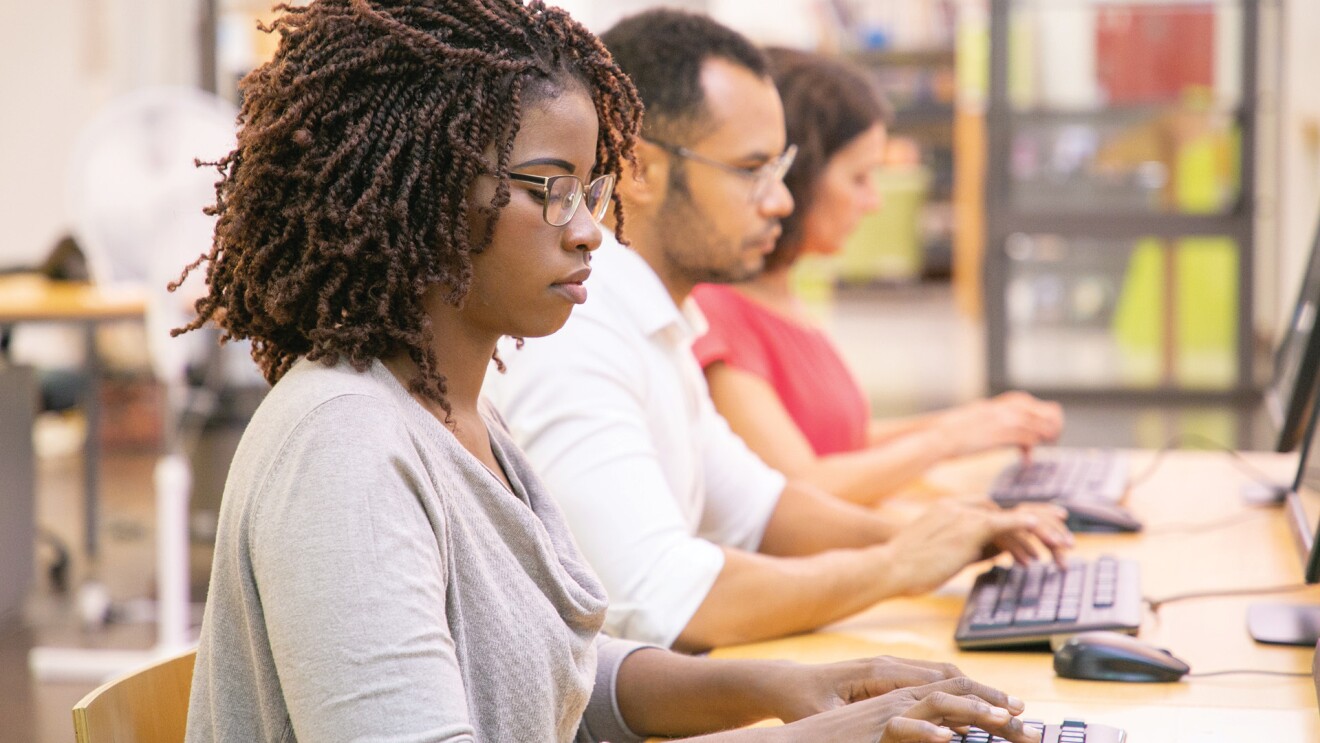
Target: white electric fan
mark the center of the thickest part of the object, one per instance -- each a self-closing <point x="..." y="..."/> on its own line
<point x="135" y="202"/>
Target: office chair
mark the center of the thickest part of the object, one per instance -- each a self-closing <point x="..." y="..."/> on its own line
<point x="149" y="705"/>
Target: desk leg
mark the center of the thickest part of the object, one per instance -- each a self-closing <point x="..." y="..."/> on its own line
<point x="92" y="446"/>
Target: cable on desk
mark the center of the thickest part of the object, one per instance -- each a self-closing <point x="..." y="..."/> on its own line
<point x="1145" y="474"/>
<point x="1250" y="671"/>
<point x="1240" y="462"/>
<point x="1155" y="604"/>
<point x="1198" y="528"/>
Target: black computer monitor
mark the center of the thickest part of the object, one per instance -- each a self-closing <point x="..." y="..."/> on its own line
<point x="1292" y="391"/>
<point x="1288" y="624"/>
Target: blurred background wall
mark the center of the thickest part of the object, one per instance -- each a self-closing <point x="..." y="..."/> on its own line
<point x="62" y="60"/>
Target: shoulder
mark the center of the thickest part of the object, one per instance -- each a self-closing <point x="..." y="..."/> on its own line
<point x="600" y="337"/>
<point x="320" y="422"/>
<point x="339" y="393"/>
<point x="736" y="329"/>
<point x="330" y="449"/>
<point x="723" y="310"/>
<point x="716" y="298"/>
<point x="728" y="311"/>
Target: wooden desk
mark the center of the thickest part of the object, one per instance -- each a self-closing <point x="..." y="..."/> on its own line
<point x="1248" y="547"/>
<point x="32" y="298"/>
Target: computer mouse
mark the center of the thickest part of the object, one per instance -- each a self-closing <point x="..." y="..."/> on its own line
<point x="1114" y="656"/>
<point x="1098" y="516"/>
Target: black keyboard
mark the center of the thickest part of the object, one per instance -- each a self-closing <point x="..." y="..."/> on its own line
<point x="1060" y="474"/>
<point x="1071" y="731"/>
<point x="1029" y="604"/>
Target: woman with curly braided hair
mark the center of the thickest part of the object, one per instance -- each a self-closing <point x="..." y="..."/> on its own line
<point x="414" y="180"/>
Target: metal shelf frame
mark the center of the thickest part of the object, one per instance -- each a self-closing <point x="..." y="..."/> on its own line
<point x="1004" y="217"/>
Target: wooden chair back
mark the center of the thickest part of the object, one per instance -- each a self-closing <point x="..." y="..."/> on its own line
<point x="149" y="705"/>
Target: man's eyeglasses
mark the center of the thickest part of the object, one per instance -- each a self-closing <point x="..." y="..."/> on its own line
<point x="763" y="177"/>
<point x="562" y="194"/>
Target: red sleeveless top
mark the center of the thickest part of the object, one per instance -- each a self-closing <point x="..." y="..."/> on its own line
<point x="798" y="361"/>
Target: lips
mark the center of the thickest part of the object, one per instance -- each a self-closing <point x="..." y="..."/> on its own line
<point x="766" y="243"/>
<point x="571" y="286"/>
<point x="577" y="277"/>
<point x="764" y="246"/>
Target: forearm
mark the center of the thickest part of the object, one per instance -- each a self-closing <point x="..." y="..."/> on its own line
<point x="807" y="521"/>
<point x="671" y="694"/>
<point x="757" y="597"/>
<point x="868" y="475"/>
<point x="881" y="430"/>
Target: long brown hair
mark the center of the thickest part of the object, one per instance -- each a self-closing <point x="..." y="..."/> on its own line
<point x="827" y="104"/>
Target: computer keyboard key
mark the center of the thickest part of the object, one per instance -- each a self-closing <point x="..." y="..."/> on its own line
<point x="1026" y="605"/>
<point x="1055" y="474"/>
<point x="1071" y="731"/>
<point x="1032" y="584"/>
<point x="1069" y="612"/>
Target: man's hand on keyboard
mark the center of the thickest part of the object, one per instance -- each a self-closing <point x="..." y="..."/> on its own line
<point x="948" y="536"/>
<point x="1011" y="419"/>
<point x="1050" y="532"/>
<point x="920" y="714"/>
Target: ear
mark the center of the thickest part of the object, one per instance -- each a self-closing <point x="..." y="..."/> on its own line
<point x="645" y="184"/>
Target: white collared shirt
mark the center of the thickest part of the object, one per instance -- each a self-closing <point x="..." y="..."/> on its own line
<point x="615" y="415"/>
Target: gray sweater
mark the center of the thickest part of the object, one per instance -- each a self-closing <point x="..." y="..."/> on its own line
<point x="374" y="581"/>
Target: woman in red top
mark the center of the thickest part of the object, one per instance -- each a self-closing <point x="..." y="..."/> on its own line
<point x="776" y="377"/>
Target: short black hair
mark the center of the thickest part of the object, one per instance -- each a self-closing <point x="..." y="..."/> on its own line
<point x="663" y="51"/>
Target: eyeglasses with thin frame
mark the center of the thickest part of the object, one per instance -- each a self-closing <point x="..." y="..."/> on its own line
<point x="561" y="195"/>
<point x="763" y="176"/>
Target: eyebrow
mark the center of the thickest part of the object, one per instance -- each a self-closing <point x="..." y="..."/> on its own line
<point x="759" y="157"/>
<point x="563" y="165"/>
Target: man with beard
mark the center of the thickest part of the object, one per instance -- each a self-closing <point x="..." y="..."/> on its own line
<point x="697" y="541"/>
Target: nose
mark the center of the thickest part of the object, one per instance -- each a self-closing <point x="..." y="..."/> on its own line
<point x="582" y="232"/>
<point x="777" y="202"/>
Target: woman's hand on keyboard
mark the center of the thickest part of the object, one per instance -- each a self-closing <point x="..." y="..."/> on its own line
<point x="1011" y="419"/>
<point x="949" y="536"/>
<point x="920" y="714"/>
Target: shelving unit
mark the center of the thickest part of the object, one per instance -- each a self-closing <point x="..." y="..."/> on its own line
<point x="1120" y="198"/>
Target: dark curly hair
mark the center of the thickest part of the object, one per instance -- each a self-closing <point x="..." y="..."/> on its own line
<point x="827" y="104"/>
<point x="348" y="195"/>
<point x="663" y="50"/>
